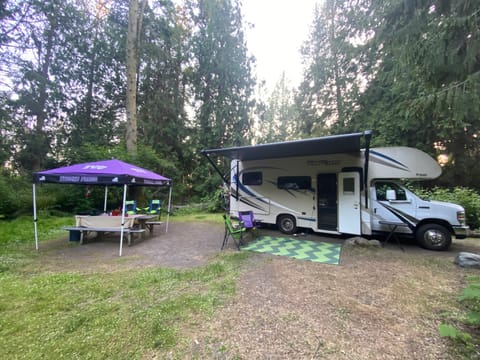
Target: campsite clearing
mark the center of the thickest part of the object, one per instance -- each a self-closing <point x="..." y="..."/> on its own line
<point x="378" y="303"/>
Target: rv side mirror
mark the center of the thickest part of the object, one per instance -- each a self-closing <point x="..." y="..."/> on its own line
<point x="391" y="195"/>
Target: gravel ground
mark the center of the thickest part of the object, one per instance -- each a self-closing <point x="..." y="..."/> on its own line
<point x="378" y="303"/>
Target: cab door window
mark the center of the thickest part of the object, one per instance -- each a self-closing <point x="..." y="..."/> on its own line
<point x="381" y="188"/>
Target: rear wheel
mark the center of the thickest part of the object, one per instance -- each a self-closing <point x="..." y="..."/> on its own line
<point x="434" y="237"/>
<point x="287" y="224"/>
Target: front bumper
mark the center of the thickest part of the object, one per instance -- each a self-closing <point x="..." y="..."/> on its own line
<point x="460" y="232"/>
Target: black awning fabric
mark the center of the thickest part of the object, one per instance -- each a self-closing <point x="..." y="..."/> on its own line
<point x="347" y="143"/>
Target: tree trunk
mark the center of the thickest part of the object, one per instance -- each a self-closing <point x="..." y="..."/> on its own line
<point x="132" y="62"/>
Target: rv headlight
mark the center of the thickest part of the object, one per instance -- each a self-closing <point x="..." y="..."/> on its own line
<point x="461" y="217"/>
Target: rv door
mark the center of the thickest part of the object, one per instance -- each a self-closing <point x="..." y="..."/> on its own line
<point x="349" y="221"/>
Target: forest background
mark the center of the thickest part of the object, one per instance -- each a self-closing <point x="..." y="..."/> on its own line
<point x="155" y="82"/>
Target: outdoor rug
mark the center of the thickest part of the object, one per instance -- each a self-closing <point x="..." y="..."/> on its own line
<point x="321" y="252"/>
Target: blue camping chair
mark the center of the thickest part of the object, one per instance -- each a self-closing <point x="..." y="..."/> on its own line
<point x="131" y="207"/>
<point x="154" y="207"/>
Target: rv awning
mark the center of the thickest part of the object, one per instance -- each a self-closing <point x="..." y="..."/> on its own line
<point x="334" y="144"/>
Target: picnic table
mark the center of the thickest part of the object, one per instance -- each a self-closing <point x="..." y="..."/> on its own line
<point x="133" y="224"/>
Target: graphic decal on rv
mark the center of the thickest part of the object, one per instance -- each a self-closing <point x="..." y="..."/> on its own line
<point x="306" y="219"/>
<point x="404" y="217"/>
<point x="247" y="200"/>
<point x="248" y="196"/>
<point x="244" y="189"/>
<point x="292" y="189"/>
<point x="382" y="159"/>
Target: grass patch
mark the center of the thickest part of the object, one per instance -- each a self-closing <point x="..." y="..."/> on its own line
<point x="17" y="238"/>
<point x="21" y="230"/>
<point x="121" y="315"/>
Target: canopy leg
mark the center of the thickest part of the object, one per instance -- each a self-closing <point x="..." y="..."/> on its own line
<point x="168" y="209"/>
<point x="35" y="217"/>
<point x="123" y="218"/>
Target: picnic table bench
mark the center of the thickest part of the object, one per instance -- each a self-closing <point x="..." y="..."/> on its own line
<point x="151" y="224"/>
<point x="101" y="230"/>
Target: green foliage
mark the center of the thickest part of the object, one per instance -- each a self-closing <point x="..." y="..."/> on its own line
<point x="468" y="337"/>
<point x="407" y="70"/>
<point x="423" y="89"/>
<point x="15" y="195"/>
<point x="328" y="94"/>
<point x="215" y="201"/>
<point x="453" y="333"/>
<point x="468" y="198"/>
<point x="222" y="76"/>
<point x="277" y="121"/>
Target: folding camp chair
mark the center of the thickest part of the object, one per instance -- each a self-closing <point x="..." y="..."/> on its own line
<point x="235" y="232"/>
<point x="248" y="221"/>
<point x="131" y="207"/>
<point x="154" y="207"/>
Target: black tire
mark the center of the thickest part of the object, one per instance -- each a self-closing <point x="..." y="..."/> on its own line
<point x="434" y="237"/>
<point x="287" y="224"/>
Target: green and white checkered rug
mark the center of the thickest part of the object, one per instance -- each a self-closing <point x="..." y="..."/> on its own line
<point x="321" y="252"/>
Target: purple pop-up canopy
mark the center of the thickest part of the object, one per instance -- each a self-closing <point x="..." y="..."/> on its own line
<point x="109" y="173"/>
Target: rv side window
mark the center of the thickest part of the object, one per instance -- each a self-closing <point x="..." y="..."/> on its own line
<point x="382" y="187"/>
<point x="294" y="182"/>
<point x="252" y="178"/>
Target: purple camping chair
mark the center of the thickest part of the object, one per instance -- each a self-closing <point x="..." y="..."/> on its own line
<point x="248" y="221"/>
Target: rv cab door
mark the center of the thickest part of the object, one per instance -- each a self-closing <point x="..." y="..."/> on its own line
<point x="391" y="202"/>
<point x="349" y="221"/>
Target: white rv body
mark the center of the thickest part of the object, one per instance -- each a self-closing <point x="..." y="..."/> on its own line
<point x="326" y="193"/>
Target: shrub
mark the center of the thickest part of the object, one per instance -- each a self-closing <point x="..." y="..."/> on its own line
<point x="15" y="195"/>
<point x="217" y="201"/>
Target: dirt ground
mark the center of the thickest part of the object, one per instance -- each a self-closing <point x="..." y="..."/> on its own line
<point x="378" y="303"/>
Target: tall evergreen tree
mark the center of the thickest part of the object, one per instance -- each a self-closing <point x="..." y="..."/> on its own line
<point x="222" y="83"/>
<point x="162" y="86"/>
<point x="425" y="92"/>
<point x="222" y="79"/>
<point x="40" y="62"/>
<point x="278" y="120"/>
<point x="329" y="90"/>
<point x="97" y="86"/>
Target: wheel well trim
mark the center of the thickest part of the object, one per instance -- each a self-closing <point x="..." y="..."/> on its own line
<point x="441" y="222"/>
<point x="283" y="214"/>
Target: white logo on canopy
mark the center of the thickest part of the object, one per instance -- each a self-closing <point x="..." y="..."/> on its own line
<point x="95" y="167"/>
<point x="138" y="170"/>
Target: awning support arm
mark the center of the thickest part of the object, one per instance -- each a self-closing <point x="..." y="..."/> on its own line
<point x="368" y="136"/>
<point x="225" y="180"/>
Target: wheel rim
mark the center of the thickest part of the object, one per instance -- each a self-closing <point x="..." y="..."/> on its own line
<point x="434" y="237"/>
<point x="287" y="224"/>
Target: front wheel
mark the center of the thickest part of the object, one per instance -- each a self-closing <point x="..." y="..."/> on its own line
<point x="434" y="237"/>
<point x="287" y="224"/>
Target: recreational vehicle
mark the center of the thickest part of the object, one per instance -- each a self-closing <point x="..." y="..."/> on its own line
<point x="332" y="185"/>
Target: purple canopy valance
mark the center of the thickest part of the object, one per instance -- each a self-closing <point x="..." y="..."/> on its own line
<point x="106" y="172"/>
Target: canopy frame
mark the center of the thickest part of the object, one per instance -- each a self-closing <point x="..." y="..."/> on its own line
<point x="98" y="173"/>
